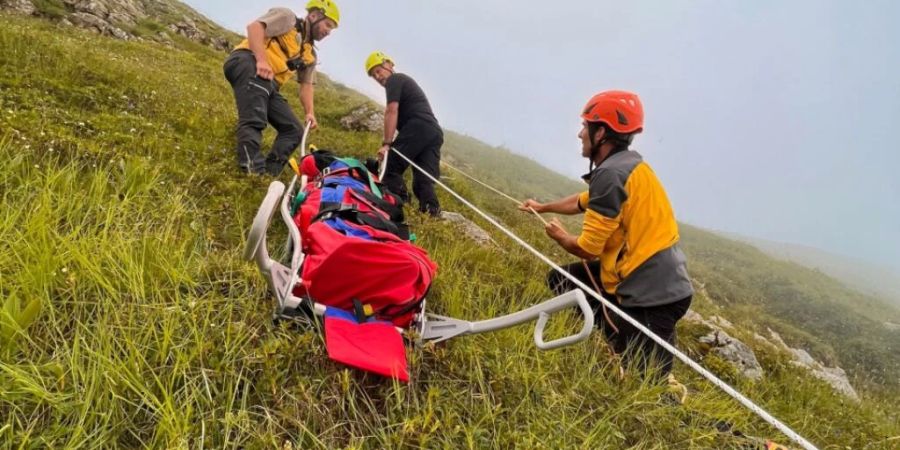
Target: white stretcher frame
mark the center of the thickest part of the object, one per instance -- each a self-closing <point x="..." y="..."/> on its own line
<point x="425" y="327"/>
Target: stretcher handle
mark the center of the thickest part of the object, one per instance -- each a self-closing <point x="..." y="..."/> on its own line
<point x="544" y="316"/>
<point x="256" y="238"/>
<point x="304" y="178"/>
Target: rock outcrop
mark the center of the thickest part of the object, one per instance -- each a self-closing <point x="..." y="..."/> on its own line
<point x="742" y="358"/>
<point x="836" y="377"/>
<point x="18" y="6"/>
<point x="469" y="229"/>
<point x="120" y="18"/>
<point x="364" y="118"/>
<point x="736" y="353"/>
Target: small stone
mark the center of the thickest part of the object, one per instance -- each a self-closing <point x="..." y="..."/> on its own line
<point x="469" y="228"/>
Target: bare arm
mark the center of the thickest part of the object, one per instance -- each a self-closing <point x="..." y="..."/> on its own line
<point x="256" y="36"/>
<point x="567" y="241"/>
<point x="567" y="206"/>
<point x="391" y="113"/>
<point x="306" y="99"/>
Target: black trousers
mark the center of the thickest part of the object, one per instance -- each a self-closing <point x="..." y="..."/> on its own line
<point x="259" y="103"/>
<point x="634" y="346"/>
<point x="421" y="142"/>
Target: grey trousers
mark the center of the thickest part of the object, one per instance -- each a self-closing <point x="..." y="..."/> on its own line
<point x="259" y="103"/>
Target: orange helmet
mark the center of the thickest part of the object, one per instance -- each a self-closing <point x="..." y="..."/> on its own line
<point x="620" y="110"/>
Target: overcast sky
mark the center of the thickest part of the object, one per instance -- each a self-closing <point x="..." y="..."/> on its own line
<point x="768" y="118"/>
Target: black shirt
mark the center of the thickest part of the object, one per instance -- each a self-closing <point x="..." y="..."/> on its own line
<point x="413" y="104"/>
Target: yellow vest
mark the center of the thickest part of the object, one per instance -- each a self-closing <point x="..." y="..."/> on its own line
<point x="644" y="226"/>
<point x="281" y="49"/>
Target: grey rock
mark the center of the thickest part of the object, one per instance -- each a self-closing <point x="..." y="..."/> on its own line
<point x="117" y="33"/>
<point x="803" y="357"/>
<point x="836" y="377"/>
<point x="92" y="7"/>
<point x="19" y="6"/>
<point x="472" y="231"/>
<point x="219" y="43"/>
<point x="88" y="21"/>
<point x="121" y="18"/>
<point x="735" y="352"/>
<point x="115" y="17"/>
<point x="892" y="326"/>
<point x="189" y="30"/>
<point x="130" y="8"/>
<point x="363" y="118"/>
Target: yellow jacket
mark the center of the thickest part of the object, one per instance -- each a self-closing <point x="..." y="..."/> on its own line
<point x="290" y="46"/>
<point x="630" y="225"/>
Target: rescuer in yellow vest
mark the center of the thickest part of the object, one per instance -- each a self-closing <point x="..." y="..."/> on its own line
<point x="279" y="44"/>
<point x="629" y="238"/>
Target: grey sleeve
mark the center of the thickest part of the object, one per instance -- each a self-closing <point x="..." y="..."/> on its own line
<point x="307" y="75"/>
<point x="278" y="21"/>
<point x="394" y="87"/>
<point x="607" y="192"/>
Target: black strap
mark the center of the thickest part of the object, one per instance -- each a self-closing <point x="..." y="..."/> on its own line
<point x="393" y="211"/>
<point x="360" y="311"/>
<point x="351" y="213"/>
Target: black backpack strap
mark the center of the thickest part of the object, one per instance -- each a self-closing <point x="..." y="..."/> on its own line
<point x="351" y="213"/>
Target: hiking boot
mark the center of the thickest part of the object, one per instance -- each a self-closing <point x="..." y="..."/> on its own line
<point x="274" y="168"/>
<point x="252" y="170"/>
<point x="432" y="210"/>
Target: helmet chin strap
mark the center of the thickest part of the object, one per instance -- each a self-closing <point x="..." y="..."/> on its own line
<point x="595" y="148"/>
<point x="312" y="26"/>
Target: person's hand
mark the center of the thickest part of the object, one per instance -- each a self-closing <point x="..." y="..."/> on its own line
<point x="382" y="152"/>
<point x="311" y="120"/>
<point x="531" y="204"/>
<point x="264" y="70"/>
<point x="555" y="230"/>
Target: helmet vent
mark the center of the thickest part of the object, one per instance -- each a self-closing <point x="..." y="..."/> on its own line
<point x="622" y="119"/>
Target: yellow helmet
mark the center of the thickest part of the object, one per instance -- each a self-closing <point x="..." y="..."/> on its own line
<point x="328" y="7"/>
<point x="376" y="59"/>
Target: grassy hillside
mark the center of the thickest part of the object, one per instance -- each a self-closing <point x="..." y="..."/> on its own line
<point x="879" y="281"/>
<point x="836" y="325"/>
<point x="129" y="319"/>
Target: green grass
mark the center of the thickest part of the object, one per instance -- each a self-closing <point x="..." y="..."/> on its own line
<point x="123" y="217"/>
<point x="51" y="9"/>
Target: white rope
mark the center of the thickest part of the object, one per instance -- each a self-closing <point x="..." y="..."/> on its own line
<point x="497" y="191"/>
<point x="516" y="201"/>
<point x="669" y="347"/>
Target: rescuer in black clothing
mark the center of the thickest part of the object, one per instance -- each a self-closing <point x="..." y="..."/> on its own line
<point x="419" y="136"/>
